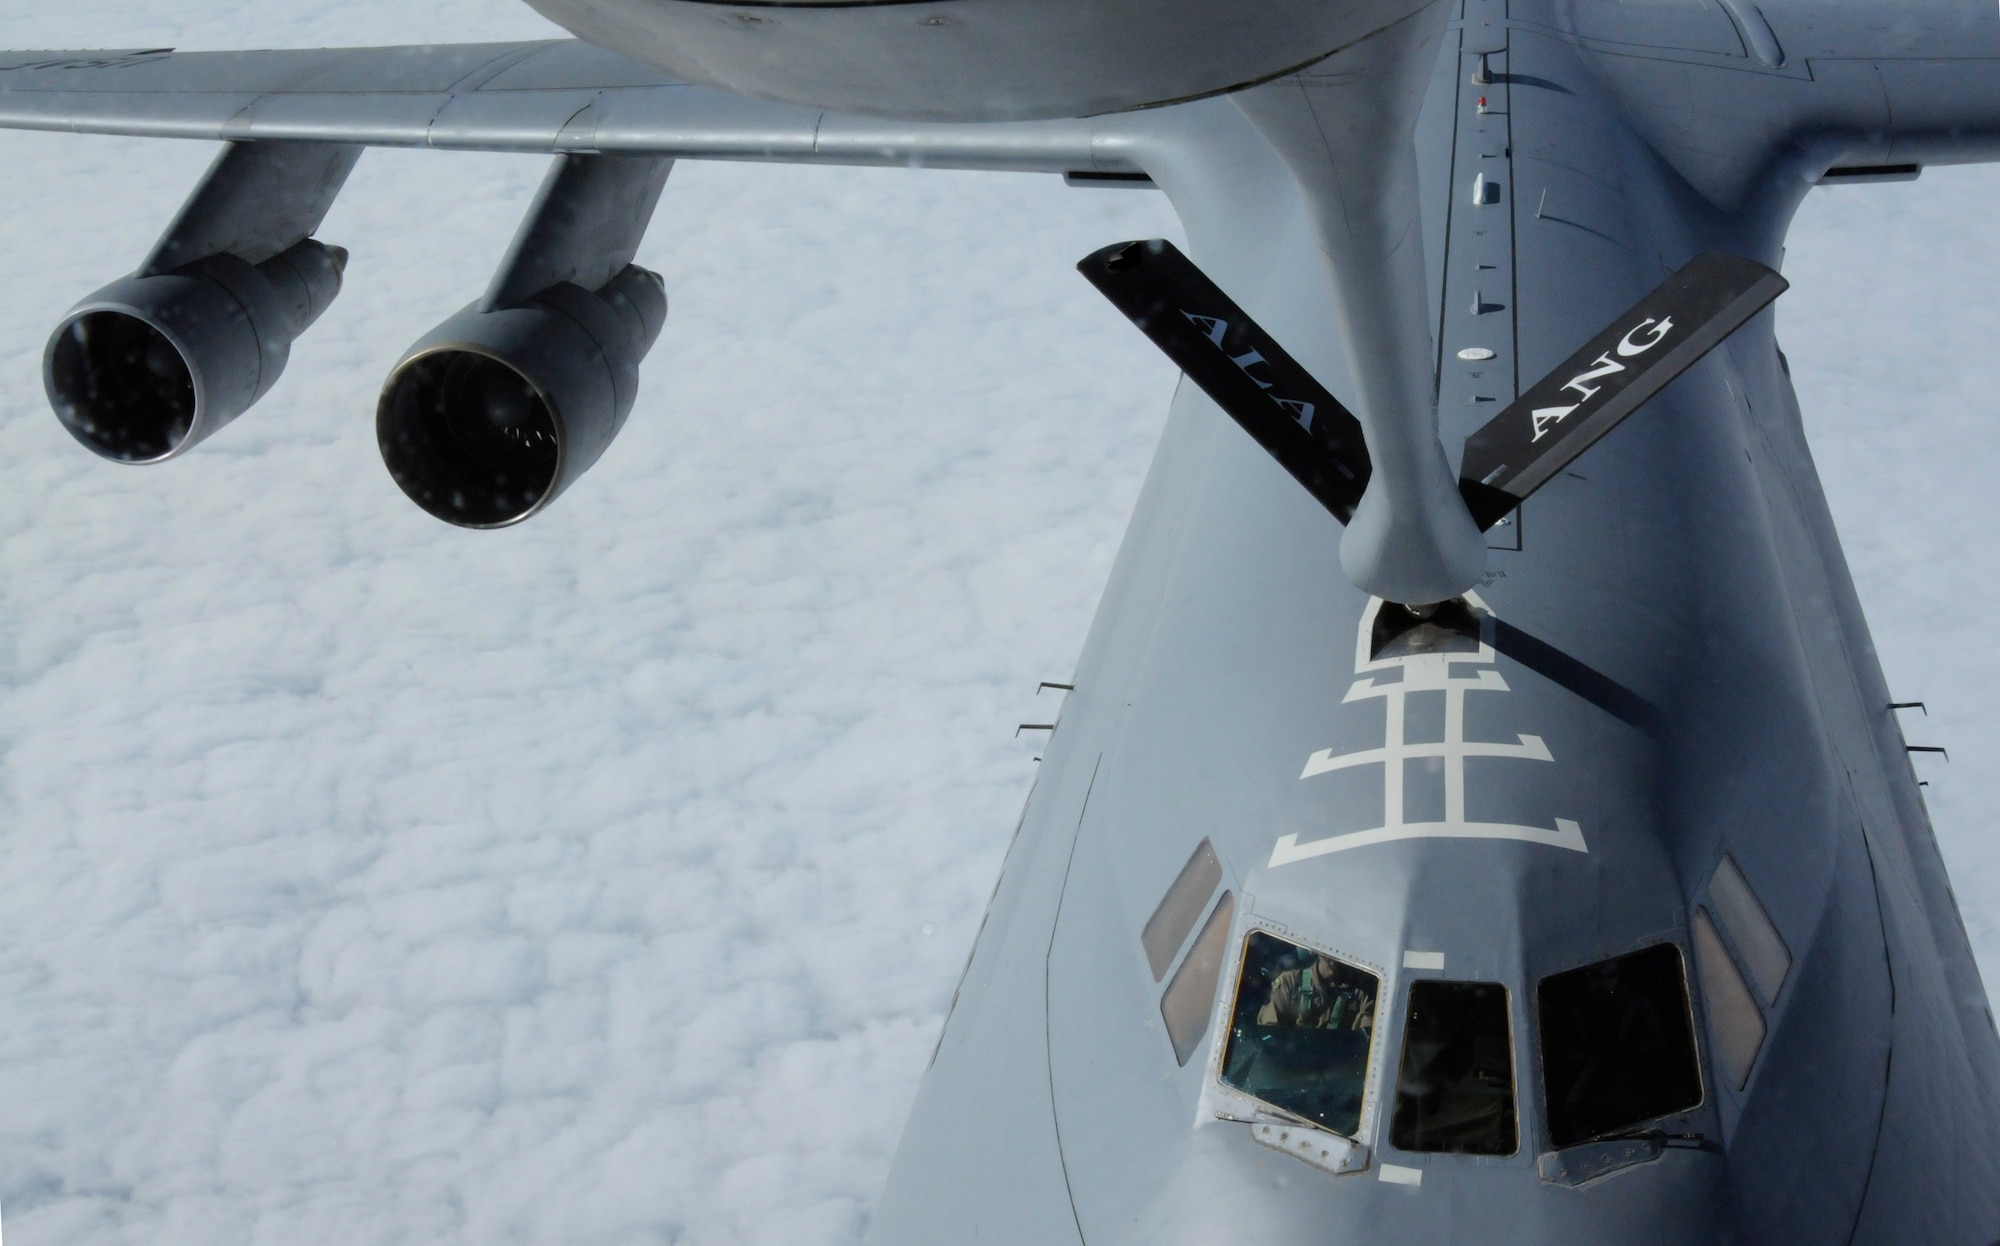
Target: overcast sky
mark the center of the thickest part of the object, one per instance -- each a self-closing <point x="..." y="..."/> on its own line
<point x="363" y="880"/>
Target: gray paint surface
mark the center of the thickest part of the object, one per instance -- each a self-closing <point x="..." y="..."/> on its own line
<point x="1689" y="560"/>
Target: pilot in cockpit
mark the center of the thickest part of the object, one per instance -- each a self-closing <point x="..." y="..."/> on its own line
<point x="1314" y="997"/>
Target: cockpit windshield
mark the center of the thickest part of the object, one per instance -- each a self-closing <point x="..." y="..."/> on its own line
<point x="1300" y="1032"/>
<point x="1617" y="1045"/>
<point x="1455" y="1092"/>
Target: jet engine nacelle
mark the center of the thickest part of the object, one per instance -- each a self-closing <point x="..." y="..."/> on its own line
<point x="147" y="366"/>
<point x="493" y="413"/>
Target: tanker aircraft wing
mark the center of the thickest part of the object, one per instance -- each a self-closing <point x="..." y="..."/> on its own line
<point x="554" y="96"/>
<point x="485" y="421"/>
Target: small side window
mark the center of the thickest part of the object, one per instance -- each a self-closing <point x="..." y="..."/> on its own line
<point x="1735" y="1027"/>
<point x="1455" y="1092"/>
<point x="1180" y="908"/>
<point x="1300" y="1032"/>
<point x="1617" y="1045"/>
<point x="1190" y="997"/>
<point x="1749" y="927"/>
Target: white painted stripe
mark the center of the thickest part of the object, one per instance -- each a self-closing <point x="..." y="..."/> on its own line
<point x="1530" y="748"/>
<point x="1567" y="834"/>
<point x="1396" y="1174"/>
<point x="1423" y="960"/>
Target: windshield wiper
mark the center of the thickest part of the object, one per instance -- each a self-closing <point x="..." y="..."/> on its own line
<point x="1693" y="1140"/>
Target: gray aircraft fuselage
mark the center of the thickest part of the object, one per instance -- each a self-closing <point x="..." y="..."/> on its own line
<point x="1688" y="563"/>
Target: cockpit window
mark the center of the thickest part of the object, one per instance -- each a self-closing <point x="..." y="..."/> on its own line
<point x="1455" y="1091"/>
<point x="1190" y="997"/>
<point x="1617" y="1045"/>
<point x="1300" y="1032"/>
<point x="1180" y="909"/>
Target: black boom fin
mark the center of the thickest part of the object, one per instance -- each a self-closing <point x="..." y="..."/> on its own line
<point x="1319" y="442"/>
<point x="1564" y="413"/>
<point x="1237" y="364"/>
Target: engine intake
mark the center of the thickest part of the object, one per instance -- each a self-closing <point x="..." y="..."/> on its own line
<point x="147" y="367"/>
<point x="494" y="413"/>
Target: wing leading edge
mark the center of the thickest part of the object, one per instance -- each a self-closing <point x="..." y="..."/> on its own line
<point x="558" y="96"/>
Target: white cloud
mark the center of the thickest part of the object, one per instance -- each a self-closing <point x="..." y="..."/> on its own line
<point x="1889" y="328"/>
